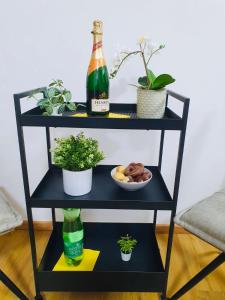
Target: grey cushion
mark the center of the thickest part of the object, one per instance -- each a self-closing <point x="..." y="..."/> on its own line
<point x="206" y="219"/>
<point x="9" y="218"/>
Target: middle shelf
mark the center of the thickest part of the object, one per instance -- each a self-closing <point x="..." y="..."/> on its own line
<point x="104" y="193"/>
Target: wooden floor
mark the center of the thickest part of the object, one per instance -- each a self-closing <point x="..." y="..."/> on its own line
<point x="189" y="255"/>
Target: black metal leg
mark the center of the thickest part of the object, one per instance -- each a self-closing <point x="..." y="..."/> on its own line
<point x="175" y="196"/>
<point x="162" y="142"/>
<point x="33" y="252"/>
<point x="159" y="165"/>
<point x="48" y="139"/>
<point x="155" y="218"/>
<point x="198" y="277"/>
<point x="168" y="254"/>
<point x="5" y="279"/>
<point x="27" y="196"/>
<point x="53" y="217"/>
<point x="161" y="148"/>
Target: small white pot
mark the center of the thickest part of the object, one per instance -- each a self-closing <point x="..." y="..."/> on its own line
<point x="55" y="111"/>
<point x="126" y="256"/>
<point x="77" y="183"/>
<point x="151" y="103"/>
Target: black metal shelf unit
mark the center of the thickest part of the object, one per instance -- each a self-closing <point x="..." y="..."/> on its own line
<point x="146" y="271"/>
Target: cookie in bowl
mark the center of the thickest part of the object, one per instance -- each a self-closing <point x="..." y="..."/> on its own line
<point x="131" y="178"/>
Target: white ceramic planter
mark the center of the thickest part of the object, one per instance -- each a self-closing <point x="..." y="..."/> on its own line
<point x="77" y="183"/>
<point x="126" y="256"/>
<point x="151" y="103"/>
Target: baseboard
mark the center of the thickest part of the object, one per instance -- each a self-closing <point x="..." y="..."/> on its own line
<point x="47" y="225"/>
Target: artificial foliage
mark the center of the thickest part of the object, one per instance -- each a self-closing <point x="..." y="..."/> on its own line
<point x="56" y="96"/>
<point x="77" y="153"/>
<point x="126" y="243"/>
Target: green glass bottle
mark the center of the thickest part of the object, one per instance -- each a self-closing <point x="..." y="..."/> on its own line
<point x="73" y="234"/>
<point x="97" y="77"/>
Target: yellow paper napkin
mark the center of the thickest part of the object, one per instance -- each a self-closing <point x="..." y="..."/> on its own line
<point x="111" y="115"/>
<point x="87" y="264"/>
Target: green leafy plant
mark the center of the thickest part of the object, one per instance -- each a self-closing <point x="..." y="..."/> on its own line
<point x="56" y="96"/>
<point x="146" y="51"/>
<point x="76" y="153"/>
<point x="126" y="243"/>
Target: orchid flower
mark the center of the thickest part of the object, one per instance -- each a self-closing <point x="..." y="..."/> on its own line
<point x="146" y="49"/>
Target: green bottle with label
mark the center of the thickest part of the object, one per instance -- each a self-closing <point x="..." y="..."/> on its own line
<point x="97" y="77"/>
<point x="73" y="234"/>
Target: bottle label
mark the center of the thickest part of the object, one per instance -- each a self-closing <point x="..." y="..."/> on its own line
<point x="100" y="105"/>
<point x="97" y="46"/>
<point x="73" y="250"/>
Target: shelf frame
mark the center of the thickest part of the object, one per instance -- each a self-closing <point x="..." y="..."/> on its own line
<point x="33" y="117"/>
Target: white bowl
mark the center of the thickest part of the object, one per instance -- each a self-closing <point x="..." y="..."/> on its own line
<point x="130" y="186"/>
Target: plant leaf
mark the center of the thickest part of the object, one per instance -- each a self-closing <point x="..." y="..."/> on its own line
<point x="51" y="92"/>
<point x="76" y="153"/>
<point x="151" y="76"/>
<point x="59" y="82"/>
<point x="55" y="100"/>
<point x="42" y="102"/>
<point x="161" y="81"/>
<point x="61" y="99"/>
<point x="61" y="109"/>
<point x="53" y="83"/>
<point x="71" y="106"/>
<point x="143" y="81"/>
<point x="67" y="95"/>
<point x="49" y="109"/>
<point x="57" y="92"/>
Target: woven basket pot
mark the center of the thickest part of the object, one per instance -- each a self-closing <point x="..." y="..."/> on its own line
<point x="151" y="103"/>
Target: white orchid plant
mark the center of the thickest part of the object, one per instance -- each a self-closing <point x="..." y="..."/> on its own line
<point x="146" y="50"/>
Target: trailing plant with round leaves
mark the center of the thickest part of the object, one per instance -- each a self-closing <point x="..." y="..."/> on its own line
<point x="77" y="153"/>
<point x="126" y="243"/>
<point x="146" y="51"/>
<point x="56" y="96"/>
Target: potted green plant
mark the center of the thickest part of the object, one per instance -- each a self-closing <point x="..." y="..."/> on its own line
<point x="126" y="244"/>
<point x="77" y="155"/>
<point x="151" y="92"/>
<point x="57" y="99"/>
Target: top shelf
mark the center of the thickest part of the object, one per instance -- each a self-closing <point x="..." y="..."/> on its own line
<point x="170" y="121"/>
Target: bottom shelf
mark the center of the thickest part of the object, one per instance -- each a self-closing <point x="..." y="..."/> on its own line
<point x="144" y="272"/>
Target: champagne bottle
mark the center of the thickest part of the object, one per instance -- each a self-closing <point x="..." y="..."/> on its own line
<point x="73" y="234"/>
<point x="97" y="76"/>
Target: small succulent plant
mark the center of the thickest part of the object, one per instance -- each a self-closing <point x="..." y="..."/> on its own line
<point x="126" y="244"/>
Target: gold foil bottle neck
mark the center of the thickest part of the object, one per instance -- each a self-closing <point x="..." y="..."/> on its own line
<point x="97" y="27"/>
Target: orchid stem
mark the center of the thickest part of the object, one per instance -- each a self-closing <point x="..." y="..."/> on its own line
<point x="145" y="65"/>
<point x="130" y="53"/>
